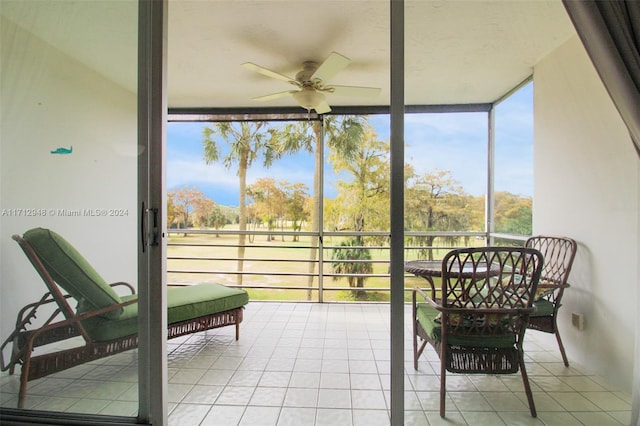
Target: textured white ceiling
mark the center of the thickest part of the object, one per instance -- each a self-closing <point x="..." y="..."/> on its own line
<point x="456" y="51"/>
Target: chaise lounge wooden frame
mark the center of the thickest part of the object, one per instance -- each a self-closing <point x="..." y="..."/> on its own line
<point x="64" y="323"/>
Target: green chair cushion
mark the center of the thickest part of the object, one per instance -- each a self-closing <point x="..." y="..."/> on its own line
<point x="72" y="271"/>
<point x="545" y="308"/>
<point x="426" y="315"/>
<point x="428" y="318"/>
<point x="183" y="303"/>
<point x="544" y="291"/>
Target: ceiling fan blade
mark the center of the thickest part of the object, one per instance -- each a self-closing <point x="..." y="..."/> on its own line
<point x="355" y="91"/>
<point x="269" y="73"/>
<point x="331" y="66"/>
<point x="275" y="95"/>
<point x="322" y="108"/>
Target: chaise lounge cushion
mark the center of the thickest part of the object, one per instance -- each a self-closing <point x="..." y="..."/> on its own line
<point x="72" y="272"/>
<point x="183" y="304"/>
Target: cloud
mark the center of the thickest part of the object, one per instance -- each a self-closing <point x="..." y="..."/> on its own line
<point x="454" y="142"/>
<point x="194" y="171"/>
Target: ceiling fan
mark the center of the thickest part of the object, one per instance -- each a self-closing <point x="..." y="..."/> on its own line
<point x="310" y="83"/>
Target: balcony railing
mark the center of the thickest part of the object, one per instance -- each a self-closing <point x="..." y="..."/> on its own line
<point x="305" y="266"/>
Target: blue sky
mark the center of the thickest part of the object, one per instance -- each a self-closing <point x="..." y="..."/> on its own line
<point x="451" y="142"/>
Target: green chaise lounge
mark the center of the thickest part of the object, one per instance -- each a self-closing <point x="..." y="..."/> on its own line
<point x="106" y="322"/>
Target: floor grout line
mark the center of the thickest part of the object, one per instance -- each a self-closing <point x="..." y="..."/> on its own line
<point x="320" y="361"/>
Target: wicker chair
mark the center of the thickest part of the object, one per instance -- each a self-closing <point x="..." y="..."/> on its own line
<point x="478" y="324"/>
<point x="103" y="323"/>
<point x="558" y="253"/>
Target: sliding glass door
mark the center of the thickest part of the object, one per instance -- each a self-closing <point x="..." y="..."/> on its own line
<point x="75" y="163"/>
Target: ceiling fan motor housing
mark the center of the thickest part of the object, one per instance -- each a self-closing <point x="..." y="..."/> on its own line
<point x="304" y="77"/>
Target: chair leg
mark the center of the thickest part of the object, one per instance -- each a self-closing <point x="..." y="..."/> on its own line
<point x="527" y="387"/>
<point x="24" y="379"/>
<point x="417" y="351"/>
<point x="443" y="383"/>
<point x="564" y="355"/>
<point x="415" y="341"/>
<point x="237" y="316"/>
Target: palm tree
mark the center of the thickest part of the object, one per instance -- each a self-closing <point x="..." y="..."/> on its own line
<point x="342" y="135"/>
<point x="361" y="201"/>
<point x="353" y="260"/>
<point x="248" y="141"/>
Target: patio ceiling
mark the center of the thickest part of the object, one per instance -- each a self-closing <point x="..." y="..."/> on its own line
<point x="456" y="52"/>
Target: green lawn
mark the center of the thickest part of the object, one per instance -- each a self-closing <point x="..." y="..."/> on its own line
<point x="214" y="255"/>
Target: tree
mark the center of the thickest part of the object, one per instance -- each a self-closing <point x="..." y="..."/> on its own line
<point x="252" y="219"/>
<point x="362" y="199"/>
<point x="269" y="202"/>
<point x="184" y="200"/>
<point x="360" y="202"/>
<point x="247" y="141"/>
<point x="513" y="214"/>
<point x="202" y="210"/>
<point x="172" y="211"/>
<point x="342" y="135"/>
<point x="296" y="202"/>
<point x="434" y="202"/>
<point x="476" y="207"/>
<point x="354" y="261"/>
<point x="217" y="218"/>
<point x="279" y="202"/>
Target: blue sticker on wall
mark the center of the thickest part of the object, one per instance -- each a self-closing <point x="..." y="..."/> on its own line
<point x="62" y="150"/>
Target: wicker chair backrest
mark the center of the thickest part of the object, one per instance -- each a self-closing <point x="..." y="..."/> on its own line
<point x="559" y="253"/>
<point x="488" y="291"/>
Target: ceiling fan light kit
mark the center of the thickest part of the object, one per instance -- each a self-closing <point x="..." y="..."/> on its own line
<point x="311" y="85"/>
<point x="308" y="98"/>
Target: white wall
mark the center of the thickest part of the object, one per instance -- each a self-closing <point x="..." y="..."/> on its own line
<point x="49" y="100"/>
<point x="587" y="187"/>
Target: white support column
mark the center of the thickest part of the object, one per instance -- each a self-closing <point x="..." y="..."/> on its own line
<point x="490" y="196"/>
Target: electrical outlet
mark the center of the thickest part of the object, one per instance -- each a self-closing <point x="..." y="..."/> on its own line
<point x="577" y="320"/>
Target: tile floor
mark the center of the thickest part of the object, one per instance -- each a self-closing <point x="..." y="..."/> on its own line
<point x="311" y="364"/>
